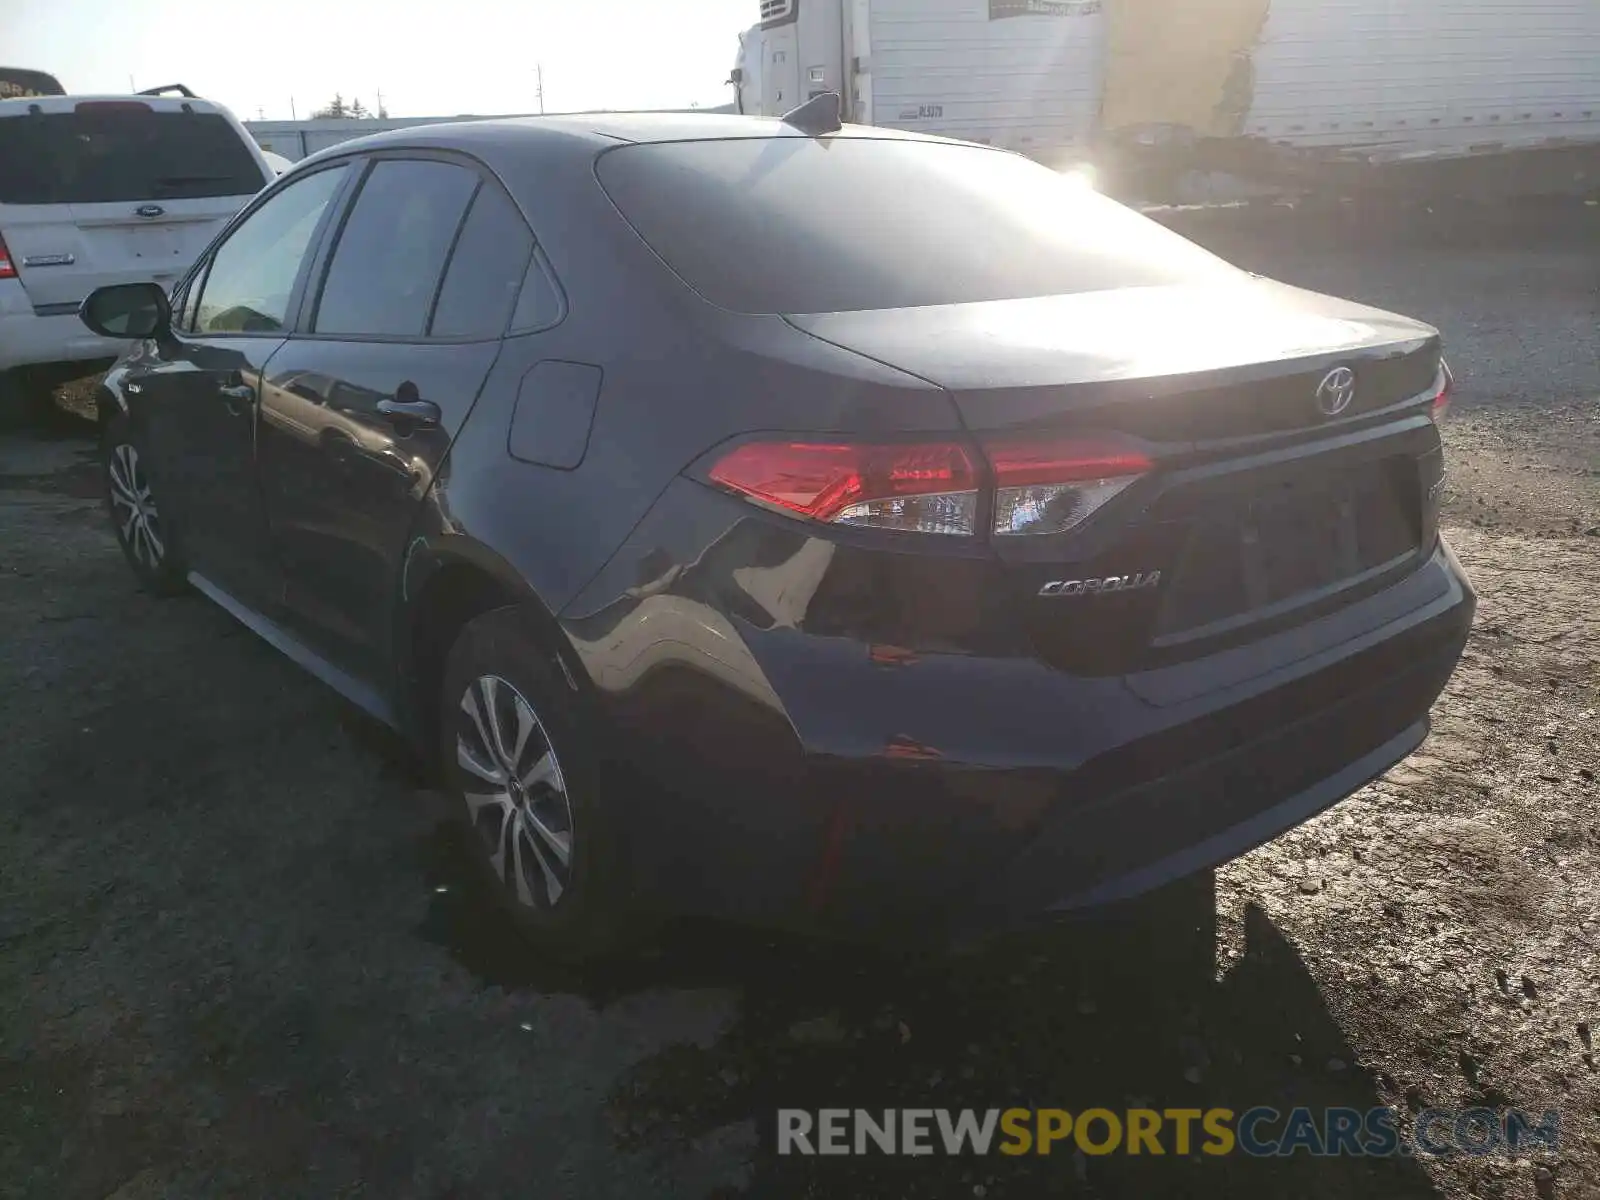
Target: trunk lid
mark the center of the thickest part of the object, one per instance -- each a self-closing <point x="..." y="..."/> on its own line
<point x="1262" y="510"/>
<point x="1184" y="363"/>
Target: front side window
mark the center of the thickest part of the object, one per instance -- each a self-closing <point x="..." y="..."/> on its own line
<point x="385" y="269"/>
<point x="251" y="279"/>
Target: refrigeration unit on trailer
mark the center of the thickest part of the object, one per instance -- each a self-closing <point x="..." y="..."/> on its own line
<point x="1020" y="74"/>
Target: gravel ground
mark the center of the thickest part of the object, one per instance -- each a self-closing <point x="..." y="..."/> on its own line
<point x="239" y="958"/>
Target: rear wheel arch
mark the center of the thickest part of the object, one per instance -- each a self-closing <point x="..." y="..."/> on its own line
<point x="449" y="590"/>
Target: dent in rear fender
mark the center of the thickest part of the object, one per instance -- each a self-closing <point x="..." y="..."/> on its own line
<point x="862" y="650"/>
<point x="666" y="599"/>
<point x="436" y="546"/>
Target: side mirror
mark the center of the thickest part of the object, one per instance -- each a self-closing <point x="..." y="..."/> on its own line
<point x="127" y="310"/>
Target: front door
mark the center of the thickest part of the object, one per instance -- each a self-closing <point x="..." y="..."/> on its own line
<point x="359" y="413"/>
<point x="196" y="395"/>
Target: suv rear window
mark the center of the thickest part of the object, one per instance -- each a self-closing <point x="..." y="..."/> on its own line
<point x="123" y="154"/>
<point x="808" y="225"/>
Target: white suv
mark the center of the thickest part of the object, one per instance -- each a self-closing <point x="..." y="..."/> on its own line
<point x="104" y="189"/>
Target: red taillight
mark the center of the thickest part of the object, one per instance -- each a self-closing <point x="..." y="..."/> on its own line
<point x="1440" y="406"/>
<point x="7" y="271"/>
<point x="1025" y="463"/>
<point x="924" y="487"/>
<point x="1042" y="485"/>
<point x="1050" y="486"/>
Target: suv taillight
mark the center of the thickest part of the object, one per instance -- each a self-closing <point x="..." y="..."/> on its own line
<point x="7" y="271"/>
<point x="1041" y="486"/>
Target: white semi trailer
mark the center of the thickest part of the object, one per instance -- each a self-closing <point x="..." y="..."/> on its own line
<point x="1255" y="88"/>
<point x="1022" y="74"/>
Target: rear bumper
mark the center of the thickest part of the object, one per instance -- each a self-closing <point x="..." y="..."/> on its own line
<point x="1141" y="839"/>
<point x="28" y="339"/>
<point x="811" y="780"/>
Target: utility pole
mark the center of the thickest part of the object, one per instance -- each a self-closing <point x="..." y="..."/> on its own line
<point x="539" y="67"/>
<point x="293" y="116"/>
<point x="380" y="111"/>
<point x="131" y="86"/>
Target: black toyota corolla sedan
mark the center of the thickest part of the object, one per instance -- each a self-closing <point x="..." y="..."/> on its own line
<point x="792" y="523"/>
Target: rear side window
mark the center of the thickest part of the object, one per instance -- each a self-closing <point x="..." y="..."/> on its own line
<point x="252" y="275"/>
<point x="124" y="151"/>
<point x="386" y="267"/>
<point x="541" y="304"/>
<point x="806" y="225"/>
<point x="486" y="269"/>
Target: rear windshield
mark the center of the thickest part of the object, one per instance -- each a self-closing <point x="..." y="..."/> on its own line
<point x="803" y="225"/>
<point x="121" y="154"/>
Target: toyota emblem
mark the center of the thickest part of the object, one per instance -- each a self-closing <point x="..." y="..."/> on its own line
<point x="1336" y="391"/>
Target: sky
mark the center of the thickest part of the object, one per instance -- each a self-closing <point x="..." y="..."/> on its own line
<point x="439" y="59"/>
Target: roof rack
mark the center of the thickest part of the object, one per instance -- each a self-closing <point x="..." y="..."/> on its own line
<point x="818" y="115"/>
<point x="165" y="89"/>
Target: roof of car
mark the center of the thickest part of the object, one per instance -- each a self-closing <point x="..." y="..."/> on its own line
<point x="588" y="133"/>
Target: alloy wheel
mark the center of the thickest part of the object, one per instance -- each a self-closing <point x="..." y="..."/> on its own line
<point x="134" y="508"/>
<point x="516" y="795"/>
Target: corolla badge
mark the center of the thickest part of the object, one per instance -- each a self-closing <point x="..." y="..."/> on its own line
<point x="149" y="210"/>
<point x="1102" y="587"/>
<point x="1336" y="392"/>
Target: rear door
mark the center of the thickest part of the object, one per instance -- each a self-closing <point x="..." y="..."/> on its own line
<point x="94" y="192"/>
<point x="359" y="410"/>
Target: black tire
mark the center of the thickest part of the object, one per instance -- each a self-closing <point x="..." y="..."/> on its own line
<point x="577" y="911"/>
<point x="149" y="542"/>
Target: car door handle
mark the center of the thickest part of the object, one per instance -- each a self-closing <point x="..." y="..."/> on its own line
<point x="418" y="412"/>
<point x="237" y="396"/>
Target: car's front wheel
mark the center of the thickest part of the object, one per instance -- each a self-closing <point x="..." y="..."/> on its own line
<point x="146" y="537"/>
<point x="527" y="788"/>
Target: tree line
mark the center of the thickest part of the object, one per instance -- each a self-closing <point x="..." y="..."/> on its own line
<point x="338" y="109"/>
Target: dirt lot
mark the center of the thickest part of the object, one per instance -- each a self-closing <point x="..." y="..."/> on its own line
<point x="237" y="957"/>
